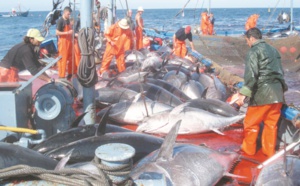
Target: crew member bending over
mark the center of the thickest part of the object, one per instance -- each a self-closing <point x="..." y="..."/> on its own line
<point x="119" y="39"/>
<point x="179" y="38"/>
<point x="21" y="57"/>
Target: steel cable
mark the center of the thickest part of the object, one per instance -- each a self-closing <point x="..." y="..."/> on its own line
<point x="87" y="75"/>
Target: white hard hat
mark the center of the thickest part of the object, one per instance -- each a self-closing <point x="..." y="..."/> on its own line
<point x="140" y="9"/>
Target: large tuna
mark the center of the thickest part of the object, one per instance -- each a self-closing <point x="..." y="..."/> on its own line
<point x="214" y="106"/>
<point x="183" y="164"/>
<point x="84" y="150"/>
<point x="12" y="155"/>
<point x="193" y="121"/>
<point x="276" y="174"/>
<point x="128" y="112"/>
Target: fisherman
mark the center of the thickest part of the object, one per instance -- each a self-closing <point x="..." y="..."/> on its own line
<point x="119" y="39"/>
<point x="21" y="57"/>
<point x="139" y="28"/>
<point x="204" y="23"/>
<point x="179" y="38"/>
<point x="251" y="22"/>
<point x="211" y="24"/>
<point x="264" y="85"/>
<point x="64" y="32"/>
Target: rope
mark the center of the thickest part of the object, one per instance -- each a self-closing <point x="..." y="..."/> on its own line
<point x="271" y="16"/>
<point x="121" y="170"/>
<point x="66" y="176"/>
<point x="87" y="75"/>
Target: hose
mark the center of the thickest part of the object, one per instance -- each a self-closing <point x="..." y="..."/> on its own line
<point x="87" y="75"/>
<point x="17" y="129"/>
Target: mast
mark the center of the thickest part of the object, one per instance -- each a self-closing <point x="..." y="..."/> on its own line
<point x="86" y="10"/>
<point x="292" y="24"/>
<point x="208" y="10"/>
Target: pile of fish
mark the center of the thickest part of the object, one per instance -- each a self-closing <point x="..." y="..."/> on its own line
<point x="157" y="89"/>
<point x="163" y="95"/>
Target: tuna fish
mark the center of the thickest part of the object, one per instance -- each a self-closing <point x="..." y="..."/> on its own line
<point x="193" y="121"/>
<point x="134" y="55"/>
<point x="111" y="95"/>
<point x="214" y="106"/>
<point x="128" y="112"/>
<point x="170" y="88"/>
<point x="84" y="150"/>
<point x="276" y="174"/>
<point x="193" y="89"/>
<point x="74" y="134"/>
<point x="12" y="155"/>
<point x="155" y="93"/>
<point x="184" y="164"/>
<point x="175" y="78"/>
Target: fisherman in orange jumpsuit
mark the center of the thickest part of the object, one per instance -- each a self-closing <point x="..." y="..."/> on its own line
<point x="139" y="28"/>
<point x="251" y="22"/>
<point x="119" y="39"/>
<point x="21" y="57"/>
<point x="179" y="38"/>
<point x="211" y="23"/>
<point x="64" y="32"/>
<point x="204" y="23"/>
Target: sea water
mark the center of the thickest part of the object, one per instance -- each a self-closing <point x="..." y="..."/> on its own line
<point x="227" y="21"/>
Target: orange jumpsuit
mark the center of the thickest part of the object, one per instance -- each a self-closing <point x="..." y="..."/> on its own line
<point x="9" y="75"/>
<point x="210" y="27"/>
<point x="139" y="35"/>
<point x="122" y="39"/>
<point x="269" y="114"/>
<point x="180" y="49"/>
<point x="77" y="55"/>
<point x="65" y="50"/>
<point x="251" y="22"/>
<point x="204" y="23"/>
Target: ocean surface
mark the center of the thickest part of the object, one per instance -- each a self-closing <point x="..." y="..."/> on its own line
<point x="229" y="21"/>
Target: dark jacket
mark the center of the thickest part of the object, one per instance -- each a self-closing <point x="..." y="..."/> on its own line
<point x="263" y="77"/>
<point x="22" y="56"/>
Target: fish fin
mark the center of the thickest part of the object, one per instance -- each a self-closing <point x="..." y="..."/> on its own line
<point x="203" y="95"/>
<point x="62" y="163"/>
<point x="77" y="120"/>
<point x="166" y="149"/>
<point x="179" y="67"/>
<point x="137" y="97"/>
<point x="233" y="175"/>
<point x="180" y="108"/>
<point x="102" y="124"/>
<point x="218" y="132"/>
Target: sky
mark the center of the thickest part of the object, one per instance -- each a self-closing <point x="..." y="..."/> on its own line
<point x="46" y="5"/>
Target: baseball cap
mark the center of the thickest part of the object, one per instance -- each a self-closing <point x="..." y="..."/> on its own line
<point x="36" y="34"/>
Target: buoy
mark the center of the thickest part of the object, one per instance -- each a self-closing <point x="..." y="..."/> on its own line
<point x="293" y="50"/>
<point x="283" y="49"/>
<point x="115" y="155"/>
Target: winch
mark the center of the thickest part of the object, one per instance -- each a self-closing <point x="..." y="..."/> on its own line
<point x="53" y="107"/>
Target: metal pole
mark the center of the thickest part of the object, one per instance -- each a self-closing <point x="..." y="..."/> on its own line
<point x="292" y="24"/>
<point x="110" y="14"/>
<point x="86" y="10"/>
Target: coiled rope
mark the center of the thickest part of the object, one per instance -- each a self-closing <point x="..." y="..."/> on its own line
<point x="71" y="176"/>
<point x="66" y="176"/>
<point x="87" y="75"/>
